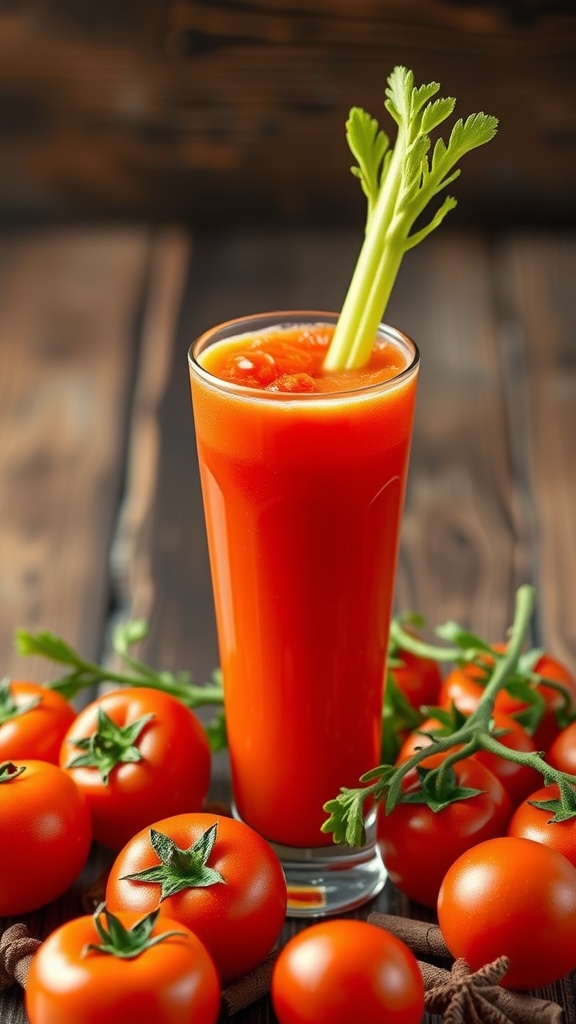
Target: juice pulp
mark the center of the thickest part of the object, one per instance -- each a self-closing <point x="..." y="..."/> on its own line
<point x="303" y="492"/>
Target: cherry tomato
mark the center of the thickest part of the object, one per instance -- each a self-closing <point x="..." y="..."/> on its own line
<point x="562" y="753"/>
<point x="418" y="678"/>
<point x="463" y="688"/>
<point x="536" y="823"/>
<point x="33" y="721"/>
<point x="419" y="844"/>
<point x="45" y="834"/>
<point x="340" y="971"/>
<point x="231" y="889"/>
<point x="171" y="982"/>
<point x="137" y="754"/>
<point x="512" y="897"/>
<point x="518" y="780"/>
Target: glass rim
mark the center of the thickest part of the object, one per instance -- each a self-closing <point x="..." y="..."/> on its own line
<point x="238" y="326"/>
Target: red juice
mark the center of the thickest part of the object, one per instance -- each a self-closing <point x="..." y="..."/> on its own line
<point x="303" y="477"/>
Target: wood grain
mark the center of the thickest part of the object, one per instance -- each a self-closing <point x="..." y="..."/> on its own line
<point x="224" y="113"/>
<point x="538" y="303"/>
<point x="68" y="303"/>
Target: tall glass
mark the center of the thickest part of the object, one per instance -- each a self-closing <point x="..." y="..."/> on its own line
<point x="303" y="495"/>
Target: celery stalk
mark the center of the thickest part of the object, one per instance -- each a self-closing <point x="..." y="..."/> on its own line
<point x="399" y="183"/>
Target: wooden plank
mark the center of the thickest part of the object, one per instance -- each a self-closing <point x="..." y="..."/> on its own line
<point x="458" y="542"/>
<point x="537" y="302"/>
<point x="159" y="109"/>
<point x="68" y="305"/>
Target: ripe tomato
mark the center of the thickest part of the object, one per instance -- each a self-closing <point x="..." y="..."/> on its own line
<point x="464" y="688"/>
<point x="418" y="678"/>
<point x="344" y="970"/>
<point x="518" y="780"/>
<point x="45" y="834"/>
<point x="535" y="823"/>
<point x="171" y="982"/>
<point x="230" y="888"/>
<point x="33" y="721"/>
<point x="143" y="756"/>
<point x="510" y="896"/>
<point x="562" y="753"/>
<point x="419" y="844"/>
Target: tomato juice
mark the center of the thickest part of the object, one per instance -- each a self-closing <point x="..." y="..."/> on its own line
<point x="303" y="479"/>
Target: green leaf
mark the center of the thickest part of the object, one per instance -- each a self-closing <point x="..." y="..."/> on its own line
<point x="398" y="718"/>
<point x="126" y="634"/>
<point x="216" y="732"/>
<point x="346" y="818"/>
<point x="135" y="673"/>
<point x="369" y="145"/>
<point x="469" y="644"/>
<point x="435" y="113"/>
<point x="45" y="644"/>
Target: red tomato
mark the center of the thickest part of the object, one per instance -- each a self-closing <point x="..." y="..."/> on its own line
<point x="33" y="721"/>
<point x="45" y="834"/>
<point x="237" y="910"/>
<point x="562" y="753"/>
<point x="418" y="844"/>
<point x="512" y="897"/>
<point x="171" y="982"/>
<point x="340" y="971"/>
<point x="419" y="679"/>
<point x="518" y="780"/>
<point x="166" y="768"/>
<point x="462" y="688"/>
<point x="535" y="823"/>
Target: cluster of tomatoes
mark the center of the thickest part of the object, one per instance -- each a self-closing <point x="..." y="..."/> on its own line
<point x="196" y="900"/>
<point x="193" y="901"/>
<point x="499" y="865"/>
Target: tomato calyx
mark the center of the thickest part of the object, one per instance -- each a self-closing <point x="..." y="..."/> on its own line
<point x="9" y="771"/>
<point x="438" y="788"/>
<point x="125" y="943"/>
<point x="110" y="745"/>
<point x="9" y="709"/>
<point x="180" y="868"/>
<point x="562" y="807"/>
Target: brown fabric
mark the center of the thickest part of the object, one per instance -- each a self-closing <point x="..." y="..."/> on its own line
<point x="16" y="950"/>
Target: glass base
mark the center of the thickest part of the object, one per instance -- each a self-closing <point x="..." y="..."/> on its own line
<point x="327" y="880"/>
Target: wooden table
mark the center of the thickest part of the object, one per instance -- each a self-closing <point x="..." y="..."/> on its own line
<point x="100" y="511"/>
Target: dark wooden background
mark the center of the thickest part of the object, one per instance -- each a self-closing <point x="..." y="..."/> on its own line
<point x="233" y="111"/>
<point x="167" y="165"/>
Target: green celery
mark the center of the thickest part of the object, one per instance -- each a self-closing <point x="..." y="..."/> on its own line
<point x="399" y="183"/>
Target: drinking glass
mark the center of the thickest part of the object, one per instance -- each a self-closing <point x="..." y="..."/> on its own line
<point x="303" y="494"/>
